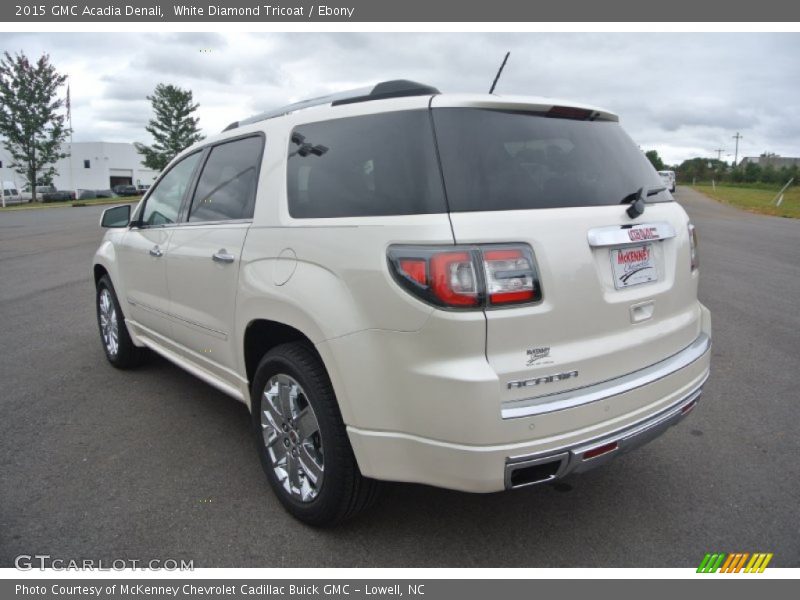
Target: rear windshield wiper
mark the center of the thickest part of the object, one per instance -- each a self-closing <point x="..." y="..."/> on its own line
<point x="636" y="200"/>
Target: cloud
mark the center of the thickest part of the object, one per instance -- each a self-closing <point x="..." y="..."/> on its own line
<point x="683" y="94"/>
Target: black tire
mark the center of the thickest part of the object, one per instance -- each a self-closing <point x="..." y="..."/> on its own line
<point x="344" y="492"/>
<point x="127" y="355"/>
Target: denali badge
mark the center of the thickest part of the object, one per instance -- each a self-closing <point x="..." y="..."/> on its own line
<point x="520" y="383"/>
<point x="535" y="354"/>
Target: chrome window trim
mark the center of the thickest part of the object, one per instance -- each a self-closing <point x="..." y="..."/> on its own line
<point x="537" y="405"/>
<point x="219" y="222"/>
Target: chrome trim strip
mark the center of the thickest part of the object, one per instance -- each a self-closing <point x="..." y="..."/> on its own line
<point x="618" y="235"/>
<point x="528" y="407"/>
<point x="215" y="332"/>
<point x="628" y="438"/>
<point x="152" y="340"/>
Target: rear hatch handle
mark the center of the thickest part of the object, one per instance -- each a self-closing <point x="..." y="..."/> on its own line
<point x="623" y="235"/>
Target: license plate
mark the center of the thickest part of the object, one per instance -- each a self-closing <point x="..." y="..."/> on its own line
<point x="633" y="265"/>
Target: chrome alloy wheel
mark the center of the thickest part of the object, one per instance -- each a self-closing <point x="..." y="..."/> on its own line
<point x="292" y="438"/>
<point x="109" y="326"/>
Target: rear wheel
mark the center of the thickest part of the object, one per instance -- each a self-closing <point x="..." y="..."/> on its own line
<point x="117" y="344"/>
<point x="302" y="441"/>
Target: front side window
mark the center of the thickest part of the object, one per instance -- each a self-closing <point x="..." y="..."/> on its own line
<point x="164" y="201"/>
<point x="227" y="186"/>
<point x="372" y="165"/>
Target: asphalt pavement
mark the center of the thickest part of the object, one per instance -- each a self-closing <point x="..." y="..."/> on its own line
<point x="154" y="464"/>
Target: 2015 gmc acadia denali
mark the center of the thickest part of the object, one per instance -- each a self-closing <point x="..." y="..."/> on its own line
<point x="475" y="292"/>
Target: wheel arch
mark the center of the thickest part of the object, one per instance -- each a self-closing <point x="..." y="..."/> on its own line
<point x="262" y="335"/>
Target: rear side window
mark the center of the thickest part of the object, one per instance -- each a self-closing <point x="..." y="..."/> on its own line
<point x="371" y="165"/>
<point x="226" y="189"/>
<point x="505" y="160"/>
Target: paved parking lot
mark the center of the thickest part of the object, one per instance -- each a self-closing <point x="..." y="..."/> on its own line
<point x="98" y="463"/>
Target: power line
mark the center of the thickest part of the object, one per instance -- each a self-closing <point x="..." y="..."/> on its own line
<point x="737" y="137"/>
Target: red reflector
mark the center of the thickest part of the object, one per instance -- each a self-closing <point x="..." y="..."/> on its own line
<point x="511" y="297"/>
<point x="569" y="112"/>
<point x="502" y="254"/>
<point x="415" y="269"/>
<point x="600" y="450"/>
<point x="453" y="278"/>
<point x="688" y="407"/>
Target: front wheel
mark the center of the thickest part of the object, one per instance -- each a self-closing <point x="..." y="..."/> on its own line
<point x="117" y="344"/>
<point x="302" y="441"/>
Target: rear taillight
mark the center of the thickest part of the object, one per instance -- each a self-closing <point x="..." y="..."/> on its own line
<point x="467" y="276"/>
<point x="510" y="277"/>
<point x="694" y="257"/>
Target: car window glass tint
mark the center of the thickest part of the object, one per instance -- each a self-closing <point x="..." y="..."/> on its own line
<point x="383" y="164"/>
<point x="227" y="186"/>
<point x="506" y="160"/>
<point x="165" y="199"/>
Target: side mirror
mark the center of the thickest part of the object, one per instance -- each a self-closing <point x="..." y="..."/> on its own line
<point x="118" y="216"/>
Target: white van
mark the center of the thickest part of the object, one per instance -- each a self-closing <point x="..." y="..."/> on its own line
<point x="10" y="193"/>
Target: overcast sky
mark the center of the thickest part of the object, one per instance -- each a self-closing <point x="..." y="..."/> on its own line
<point x="682" y="94"/>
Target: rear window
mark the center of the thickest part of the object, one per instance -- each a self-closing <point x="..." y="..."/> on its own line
<point x="508" y="160"/>
<point x="371" y="165"/>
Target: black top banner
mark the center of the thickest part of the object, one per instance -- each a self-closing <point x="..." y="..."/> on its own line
<point x="58" y="11"/>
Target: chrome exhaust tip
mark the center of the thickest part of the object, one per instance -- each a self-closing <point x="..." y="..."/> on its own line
<point x="525" y="473"/>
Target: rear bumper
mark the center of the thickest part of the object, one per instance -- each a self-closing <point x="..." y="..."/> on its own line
<point x="402" y="457"/>
<point x="543" y="445"/>
<point x="522" y="471"/>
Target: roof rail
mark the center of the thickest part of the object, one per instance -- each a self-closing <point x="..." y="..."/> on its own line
<point x="397" y="88"/>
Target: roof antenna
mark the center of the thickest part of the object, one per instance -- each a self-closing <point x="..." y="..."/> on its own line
<point x="499" y="71"/>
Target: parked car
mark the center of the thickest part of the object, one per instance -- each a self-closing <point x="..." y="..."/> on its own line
<point x="85" y="194"/>
<point x="10" y="194"/>
<point x="142" y="188"/>
<point x="474" y="292"/>
<point x="58" y="196"/>
<point x="668" y="177"/>
<point x="41" y="190"/>
<point x="126" y="190"/>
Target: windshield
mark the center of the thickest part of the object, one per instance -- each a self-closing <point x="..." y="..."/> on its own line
<point x="509" y="160"/>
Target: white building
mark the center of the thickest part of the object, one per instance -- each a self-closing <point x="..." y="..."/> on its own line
<point x="90" y="166"/>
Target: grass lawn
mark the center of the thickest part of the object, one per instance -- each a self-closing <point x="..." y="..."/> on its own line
<point x="120" y="200"/>
<point x="43" y="205"/>
<point x="757" y="200"/>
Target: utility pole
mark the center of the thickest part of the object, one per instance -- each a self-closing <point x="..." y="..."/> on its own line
<point x="737" y="137"/>
<point x="719" y="152"/>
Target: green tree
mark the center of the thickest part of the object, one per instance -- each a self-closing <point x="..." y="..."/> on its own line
<point x="655" y="159"/>
<point x="752" y="172"/>
<point x="173" y="127"/>
<point x="769" y="175"/>
<point x="702" y="169"/>
<point x="30" y="118"/>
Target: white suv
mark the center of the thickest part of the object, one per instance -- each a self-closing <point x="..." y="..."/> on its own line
<point x="668" y="177"/>
<point x="474" y="292"/>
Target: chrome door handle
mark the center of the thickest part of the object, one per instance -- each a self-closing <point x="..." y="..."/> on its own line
<point x="156" y="251"/>
<point x="222" y="256"/>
